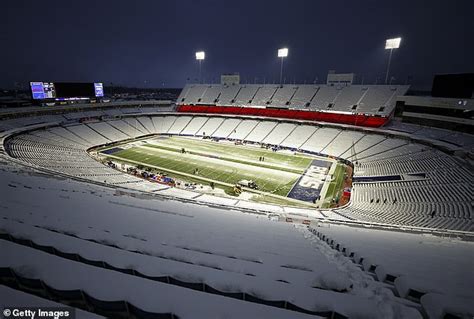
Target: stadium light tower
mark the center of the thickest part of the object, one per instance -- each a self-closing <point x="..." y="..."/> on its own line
<point x="391" y="44"/>
<point x="282" y="53"/>
<point x="200" y="55"/>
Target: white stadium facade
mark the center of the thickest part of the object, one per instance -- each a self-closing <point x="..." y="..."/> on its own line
<point x="77" y="232"/>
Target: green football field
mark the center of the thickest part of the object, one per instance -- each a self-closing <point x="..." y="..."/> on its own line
<point x="335" y="187"/>
<point x="226" y="164"/>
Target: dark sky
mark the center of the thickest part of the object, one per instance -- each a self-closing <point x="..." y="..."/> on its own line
<point x="152" y="43"/>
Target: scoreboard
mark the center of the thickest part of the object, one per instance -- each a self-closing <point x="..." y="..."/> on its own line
<point x="42" y="90"/>
<point x="62" y="91"/>
<point x="99" y="89"/>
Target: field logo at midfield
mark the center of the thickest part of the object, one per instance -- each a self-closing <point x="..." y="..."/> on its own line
<point x="309" y="185"/>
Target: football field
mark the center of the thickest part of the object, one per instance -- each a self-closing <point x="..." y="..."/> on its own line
<point x="198" y="160"/>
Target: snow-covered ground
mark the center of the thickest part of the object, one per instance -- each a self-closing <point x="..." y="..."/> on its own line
<point x="227" y="250"/>
<point x="11" y="297"/>
<point x="440" y="270"/>
<point x="154" y="253"/>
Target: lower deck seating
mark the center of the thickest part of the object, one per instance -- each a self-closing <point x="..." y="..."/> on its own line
<point x="435" y="190"/>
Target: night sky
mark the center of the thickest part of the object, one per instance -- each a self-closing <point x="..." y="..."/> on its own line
<point x="152" y="43"/>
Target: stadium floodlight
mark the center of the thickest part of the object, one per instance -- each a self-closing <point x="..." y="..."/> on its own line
<point x="200" y="56"/>
<point x="391" y="44"/>
<point x="282" y="53"/>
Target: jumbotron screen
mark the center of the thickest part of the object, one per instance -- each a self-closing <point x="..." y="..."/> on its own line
<point x="65" y="90"/>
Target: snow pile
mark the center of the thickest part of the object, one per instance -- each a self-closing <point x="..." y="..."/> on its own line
<point x="12" y="297"/>
<point x="331" y="280"/>
<point x="438" y="305"/>
<point x="439" y="270"/>
<point x="346" y="275"/>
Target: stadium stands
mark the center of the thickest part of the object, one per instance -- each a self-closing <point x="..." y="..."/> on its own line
<point x="325" y="103"/>
<point x="210" y="95"/>
<point x="243" y="129"/>
<point x="418" y="273"/>
<point x="320" y="139"/>
<point x="227" y="127"/>
<point x="431" y="181"/>
<point x="264" y="95"/>
<point x="405" y="176"/>
<point x="245" y="94"/>
<point x="303" y="96"/>
<point x="260" y="131"/>
<point x="299" y="136"/>
<point x="283" y="96"/>
<point x="179" y="124"/>
<point x="228" y="94"/>
<point x="209" y="127"/>
<point x="194" y="125"/>
<point x="279" y="133"/>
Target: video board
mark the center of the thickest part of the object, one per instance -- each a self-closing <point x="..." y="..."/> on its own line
<point x="42" y="90"/>
<point x="65" y="90"/>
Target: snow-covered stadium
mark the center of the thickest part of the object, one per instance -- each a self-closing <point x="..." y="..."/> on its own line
<point x="81" y="227"/>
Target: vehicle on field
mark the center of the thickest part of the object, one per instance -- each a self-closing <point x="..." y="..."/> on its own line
<point x="248" y="183"/>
